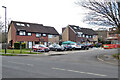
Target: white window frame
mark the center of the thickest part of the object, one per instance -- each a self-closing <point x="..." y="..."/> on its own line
<point x="38" y="35"/>
<point x="22" y="33"/>
<point x="87" y="36"/>
<point x="79" y="34"/>
<point x="75" y="27"/>
<point x="29" y="34"/>
<point x="50" y="36"/>
<point x="44" y="35"/>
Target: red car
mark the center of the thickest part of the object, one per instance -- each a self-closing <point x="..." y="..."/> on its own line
<point x="40" y="48"/>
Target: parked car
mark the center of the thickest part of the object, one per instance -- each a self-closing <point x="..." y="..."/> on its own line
<point x="78" y="46"/>
<point x="73" y="45"/>
<point x="84" y="47"/>
<point x="56" y="47"/>
<point x="40" y="48"/>
<point x="89" y="45"/>
<point x="67" y="47"/>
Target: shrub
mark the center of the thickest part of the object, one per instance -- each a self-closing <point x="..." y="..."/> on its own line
<point x="17" y="45"/>
<point x="23" y="45"/>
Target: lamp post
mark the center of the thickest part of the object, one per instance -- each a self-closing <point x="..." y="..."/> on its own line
<point x="5" y="30"/>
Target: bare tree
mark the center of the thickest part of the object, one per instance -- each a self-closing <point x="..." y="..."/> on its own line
<point x="1" y="24"/>
<point x="105" y="13"/>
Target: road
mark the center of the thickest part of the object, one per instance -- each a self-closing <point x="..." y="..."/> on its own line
<point x="83" y="64"/>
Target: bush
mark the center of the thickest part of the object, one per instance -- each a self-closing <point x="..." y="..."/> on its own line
<point x="23" y="45"/>
<point x="17" y="45"/>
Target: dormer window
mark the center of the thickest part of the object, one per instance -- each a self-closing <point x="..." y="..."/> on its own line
<point x="22" y="25"/>
<point x="28" y="25"/>
<point x="75" y="27"/>
<point x="19" y="24"/>
<point x="79" y="34"/>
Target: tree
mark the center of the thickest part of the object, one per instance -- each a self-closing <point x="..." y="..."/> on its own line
<point x="105" y="13"/>
<point x="1" y="24"/>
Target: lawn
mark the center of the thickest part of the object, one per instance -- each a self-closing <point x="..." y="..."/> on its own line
<point x="18" y="51"/>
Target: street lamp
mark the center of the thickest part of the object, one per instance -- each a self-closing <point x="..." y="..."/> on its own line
<point x="5" y="30"/>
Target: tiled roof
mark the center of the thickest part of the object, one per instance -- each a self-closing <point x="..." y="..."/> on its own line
<point x="34" y="27"/>
<point x="86" y="31"/>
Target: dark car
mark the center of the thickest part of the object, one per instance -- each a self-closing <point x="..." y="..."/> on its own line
<point x="84" y="47"/>
<point x="67" y="47"/>
<point x="56" y="47"/>
<point x="89" y="45"/>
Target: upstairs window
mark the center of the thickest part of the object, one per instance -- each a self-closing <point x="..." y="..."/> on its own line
<point x="87" y="36"/>
<point x="79" y="34"/>
<point x="94" y="36"/>
<point x="28" y="25"/>
<point x="44" y="35"/>
<point x="55" y="35"/>
<point x="50" y="36"/>
<point x="29" y="34"/>
<point x="75" y="27"/>
<point x="83" y="35"/>
<point x="38" y="35"/>
<point x="22" y="33"/>
<point x="20" y="24"/>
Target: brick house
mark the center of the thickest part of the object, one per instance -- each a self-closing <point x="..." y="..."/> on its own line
<point x="79" y="35"/>
<point x="103" y="33"/>
<point x="31" y="34"/>
<point x="114" y="34"/>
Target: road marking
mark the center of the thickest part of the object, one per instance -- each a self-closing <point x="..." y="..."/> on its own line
<point x="79" y="72"/>
<point x="20" y="63"/>
<point x="105" y="61"/>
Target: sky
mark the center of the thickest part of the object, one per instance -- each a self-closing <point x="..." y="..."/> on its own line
<point x="55" y="13"/>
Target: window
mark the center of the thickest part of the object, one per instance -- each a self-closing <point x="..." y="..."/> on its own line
<point x="119" y="34"/>
<point x="29" y="34"/>
<point x="49" y="36"/>
<point x="28" y="25"/>
<point x="55" y="35"/>
<point x="87" y="36"/>
<point x="44" y="35"/>
<point x="83" y="35"/>
<point x="19" y="24"/>
<point x="94" y="36"/>
<point x="22" y="33"/>
<point x="22" y="25"/>
<point x="90" y="37"/>
<point x="75" y="27"/>
<point x="38" y="35"/>
<point x="79" y="34"/>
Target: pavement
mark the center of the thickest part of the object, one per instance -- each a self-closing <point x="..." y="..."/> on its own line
<point x="108" y="58"/>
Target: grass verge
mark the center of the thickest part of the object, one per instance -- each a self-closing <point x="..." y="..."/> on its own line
<point x="18" y="51"/>
<point x="8" y="54"/>
<point x="117" y="56"/>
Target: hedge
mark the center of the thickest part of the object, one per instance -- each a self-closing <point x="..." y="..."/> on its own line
<point x="18" y="44"/>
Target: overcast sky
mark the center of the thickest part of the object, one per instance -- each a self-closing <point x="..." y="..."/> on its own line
<point x="55" y="13"/>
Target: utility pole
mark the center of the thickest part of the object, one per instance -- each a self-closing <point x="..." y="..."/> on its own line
<point x="5" y="29"/>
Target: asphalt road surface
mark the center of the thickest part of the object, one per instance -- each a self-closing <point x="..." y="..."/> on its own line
<point x="83" y="64"/>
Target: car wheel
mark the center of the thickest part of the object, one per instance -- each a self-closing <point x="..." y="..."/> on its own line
<point x="56" y="50"/>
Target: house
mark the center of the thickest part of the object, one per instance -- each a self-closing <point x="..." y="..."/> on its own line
<point x="31" y="34"/>
<point x="103" y="33"/>
<point x="114" y="35"/>
<point x="79" y="35"/>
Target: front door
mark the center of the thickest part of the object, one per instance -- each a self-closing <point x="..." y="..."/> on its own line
<point x="30" y="45"/>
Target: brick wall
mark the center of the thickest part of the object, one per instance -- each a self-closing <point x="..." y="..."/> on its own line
<point x="31" y="38"/>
